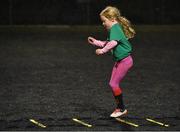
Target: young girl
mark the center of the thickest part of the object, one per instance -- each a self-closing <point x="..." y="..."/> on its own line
<point x="119" y="31"/>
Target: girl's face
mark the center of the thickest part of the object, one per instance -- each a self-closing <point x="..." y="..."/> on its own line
<point x="106" y="22"/>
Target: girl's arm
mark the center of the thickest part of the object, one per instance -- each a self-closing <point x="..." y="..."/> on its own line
<point x="100" y="43"/>
<point x="96" y="42"/>
<point x="109" y="45"/>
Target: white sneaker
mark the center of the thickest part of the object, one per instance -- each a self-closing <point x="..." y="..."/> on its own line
<point x="118" y="113"/>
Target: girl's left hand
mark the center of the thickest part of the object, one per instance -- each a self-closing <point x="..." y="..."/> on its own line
<point x="91" y="40"/>
<point x="99" y="52"/>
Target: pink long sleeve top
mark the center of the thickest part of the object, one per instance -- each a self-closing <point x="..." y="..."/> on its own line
<point x="106" y="45"/>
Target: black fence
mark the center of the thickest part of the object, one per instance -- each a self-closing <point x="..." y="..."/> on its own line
<point x="86" y="12"/>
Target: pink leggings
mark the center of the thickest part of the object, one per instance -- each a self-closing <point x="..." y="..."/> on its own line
<point x="119" y="71"/>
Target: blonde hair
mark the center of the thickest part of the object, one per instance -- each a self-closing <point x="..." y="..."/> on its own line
<point x="113" y="13"/>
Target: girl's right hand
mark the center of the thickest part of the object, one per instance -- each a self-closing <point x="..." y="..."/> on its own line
<point x="91" y="40"/>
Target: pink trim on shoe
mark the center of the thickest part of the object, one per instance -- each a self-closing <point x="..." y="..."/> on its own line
<point x="118" y="113"/>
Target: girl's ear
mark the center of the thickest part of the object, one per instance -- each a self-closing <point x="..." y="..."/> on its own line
<point x="113" y="19"/>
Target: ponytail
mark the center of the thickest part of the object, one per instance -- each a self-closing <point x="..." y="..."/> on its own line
<point x="127" y="27"/>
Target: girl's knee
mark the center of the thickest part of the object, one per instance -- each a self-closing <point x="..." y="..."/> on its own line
<point x="112" y="85"/>
<point x="115" y="88"/>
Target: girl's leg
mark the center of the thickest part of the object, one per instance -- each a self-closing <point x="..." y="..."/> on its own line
<point x="119" y="71"/>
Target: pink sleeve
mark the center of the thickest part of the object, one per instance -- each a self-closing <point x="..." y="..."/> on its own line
<point x="99" y="43"/>
<point x="110" y="45"/>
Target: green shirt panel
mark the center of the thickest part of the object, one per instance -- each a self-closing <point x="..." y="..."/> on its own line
<point x="123" y="48"/>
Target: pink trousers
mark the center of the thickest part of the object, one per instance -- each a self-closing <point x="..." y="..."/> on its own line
<point x="119" y="71"/>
